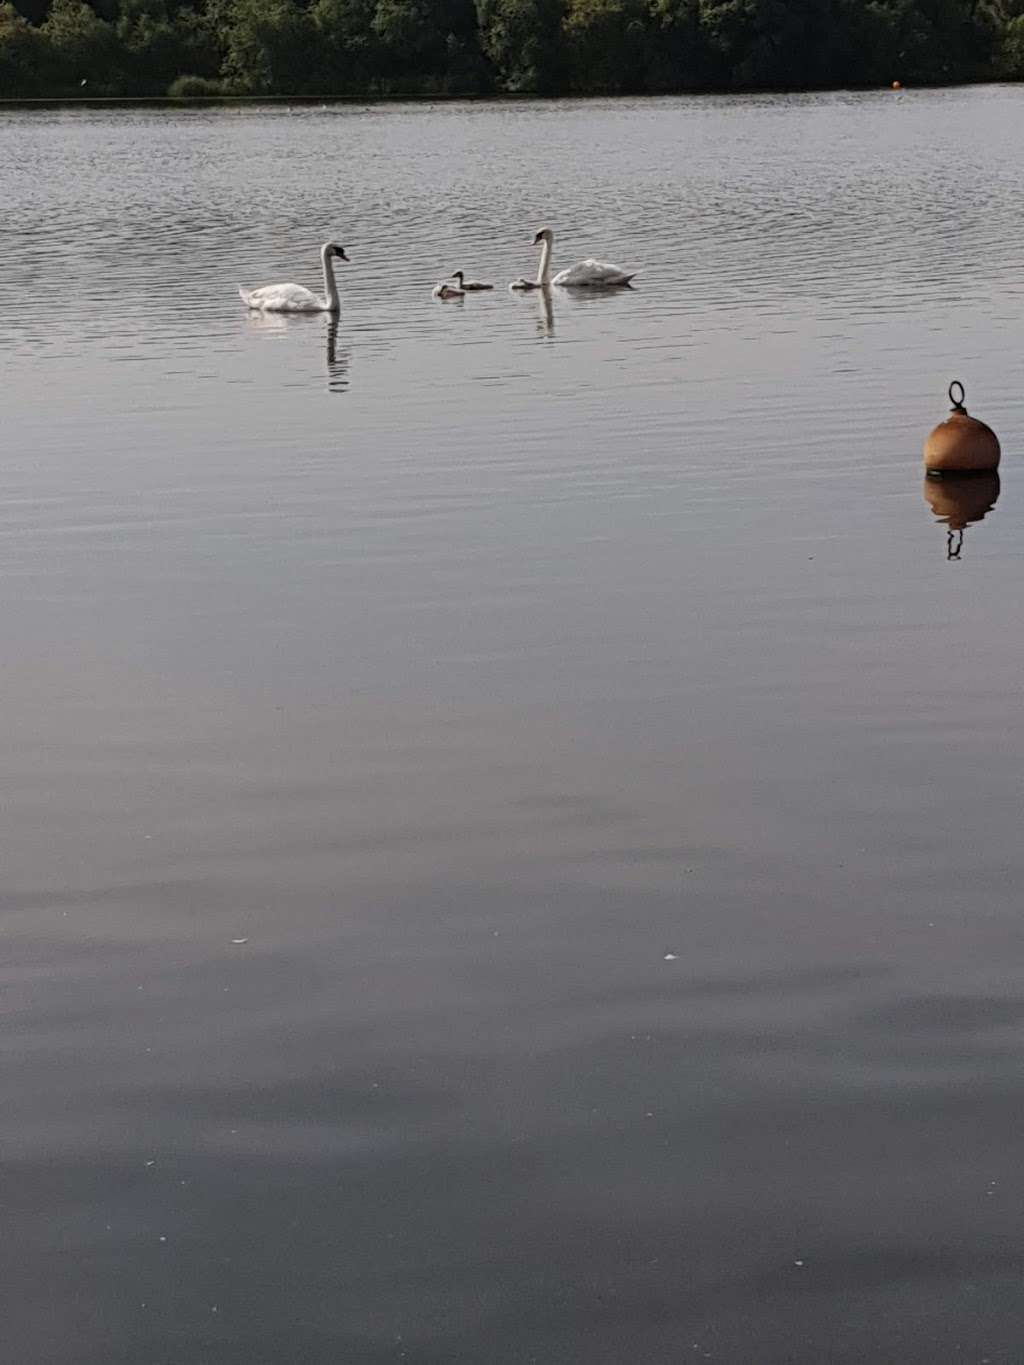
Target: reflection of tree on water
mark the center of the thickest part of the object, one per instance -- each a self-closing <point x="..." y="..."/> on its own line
<point x="959" y="502"/>
<point x="338" y="361"/>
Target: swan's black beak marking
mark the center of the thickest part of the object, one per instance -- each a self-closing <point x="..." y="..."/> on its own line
<point x="340" y="251"/>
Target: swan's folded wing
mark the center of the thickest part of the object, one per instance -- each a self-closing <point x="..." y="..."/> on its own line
<point x="284" y="298"/>
<point x="593" y="273"/>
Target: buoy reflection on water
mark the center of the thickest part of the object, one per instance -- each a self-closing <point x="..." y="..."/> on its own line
<point x="960" y="502"/>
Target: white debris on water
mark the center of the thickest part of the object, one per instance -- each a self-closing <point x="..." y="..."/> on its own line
<point x="671" y="957"/>
<point x="239" y="941"/>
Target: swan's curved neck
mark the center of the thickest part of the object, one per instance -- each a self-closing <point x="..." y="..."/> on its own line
<point x="330" y="288"/>
<point x="544" y="274"/>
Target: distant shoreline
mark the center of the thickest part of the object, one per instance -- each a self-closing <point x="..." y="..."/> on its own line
<point x="249" y="101"/>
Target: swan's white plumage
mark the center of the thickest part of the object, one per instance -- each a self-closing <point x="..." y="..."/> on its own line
<point x="593" y="274"/>
<point x="296" y="298"/>
<point x="589" y="274"/>
<point x="447" y="291"/>
<point x="283" y="298"/>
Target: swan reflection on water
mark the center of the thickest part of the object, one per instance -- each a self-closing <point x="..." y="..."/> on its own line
<point x="543" y="299"/>
<point x="339" y="358"/>
<point x="546" y="323"/>
<point x="538" y="301"/>
<point x="959" y="502"/>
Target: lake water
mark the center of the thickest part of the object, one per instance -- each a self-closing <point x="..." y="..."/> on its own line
<point x="511" y="821"/>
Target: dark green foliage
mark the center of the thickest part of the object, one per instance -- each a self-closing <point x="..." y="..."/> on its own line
<point x="522" y="39"/>
<point x="193" y="48"/>
<point x="606" y="44"/>
<point x="80" y="51"/>
<point x="348" y="55"/>
<point x="268" y="47"/>
<point x="194" y="88"/>
<point x="679" y="55"/>
<point x="156" y="44"/>
<point x="22" y="54"/>
<point x="1011" y="51"/>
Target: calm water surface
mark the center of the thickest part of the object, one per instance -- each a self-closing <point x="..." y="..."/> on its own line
<point x="511" y="820"/>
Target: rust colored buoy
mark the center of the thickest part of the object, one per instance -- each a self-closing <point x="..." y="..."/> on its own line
<point x="897" y="85"/>
<point x="961" y="444"/>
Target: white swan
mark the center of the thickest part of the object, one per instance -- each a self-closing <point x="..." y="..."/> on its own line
<point x="468" y="285"/>
<point x="447" y="291"/>
<point x="587" y="274"/>
<point x="296" y="298"/>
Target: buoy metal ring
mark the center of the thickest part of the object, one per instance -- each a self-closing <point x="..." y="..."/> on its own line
<point x="958" y="403"/>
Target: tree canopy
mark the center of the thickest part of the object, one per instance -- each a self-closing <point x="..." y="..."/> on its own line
<point x="55" y="48"/>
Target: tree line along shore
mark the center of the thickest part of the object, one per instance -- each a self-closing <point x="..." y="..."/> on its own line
<point x="182" y="48"/>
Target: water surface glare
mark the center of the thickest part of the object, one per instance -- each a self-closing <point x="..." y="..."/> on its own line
<point x="511" y="821"/>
